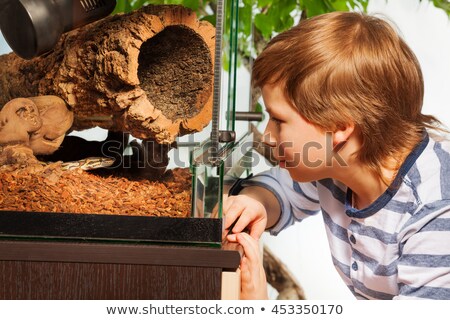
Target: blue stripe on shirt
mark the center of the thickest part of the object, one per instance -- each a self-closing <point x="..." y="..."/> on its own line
<point x="335" y="229"/>
<point x="444" y="159"/>
<point x="414" y="175"/>
<point x="337" y="192"/>
<point x="424" y="292"/>
<point x="439" y="224"/>
<point x="307" y="212"/>
<point x="299" y="190"/>
<point x="372" y="232"/>
<point x="371" y="293"/>
<point x="427" y="209"/>
<point x="356" y="294"/>
<point x="376" y="267"/>
<point x="425" y="260"/>
<point x="345" y="269"/>
<point x="286" y="224"/>
<point x="401" y="207"/>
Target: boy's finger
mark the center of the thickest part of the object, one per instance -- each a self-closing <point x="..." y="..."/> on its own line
<point x="232" y="237"/>
<point x="253" y="243"/>
<point x="250" y="246"/>
<point x="227" y="225"/>
<point x="230" y="215"/>
<point x="243" y="222"/>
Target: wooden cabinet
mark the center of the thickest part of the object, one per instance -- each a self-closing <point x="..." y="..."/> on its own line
<point x="80" y="270"/>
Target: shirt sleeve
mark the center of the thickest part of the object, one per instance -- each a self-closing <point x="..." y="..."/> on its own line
<point x="297" y="200"/>
<point x="424" y="264"/>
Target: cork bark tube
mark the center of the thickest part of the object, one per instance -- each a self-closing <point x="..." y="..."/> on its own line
<point x="148" y="72"/>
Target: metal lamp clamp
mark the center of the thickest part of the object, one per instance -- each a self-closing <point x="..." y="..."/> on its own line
<point x="33" y="27"/>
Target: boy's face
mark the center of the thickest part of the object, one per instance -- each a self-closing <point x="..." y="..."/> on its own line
<point x="298" y="145"/>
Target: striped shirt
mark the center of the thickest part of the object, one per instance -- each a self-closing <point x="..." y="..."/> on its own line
<point x="399" y="246"/>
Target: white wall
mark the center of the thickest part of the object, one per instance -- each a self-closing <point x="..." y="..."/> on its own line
<point x="4" y="48"/>
<point x="304" y="247"/>
<point x="426" y="29"/>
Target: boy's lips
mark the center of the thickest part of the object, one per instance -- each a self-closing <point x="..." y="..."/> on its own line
<point x="282" y="163"/>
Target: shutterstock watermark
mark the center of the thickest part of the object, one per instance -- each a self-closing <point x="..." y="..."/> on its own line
<point x="149" y="154"/>
<point x="303" y="157"/>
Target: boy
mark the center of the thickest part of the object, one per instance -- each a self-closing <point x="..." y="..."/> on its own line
<point x="344" y="93"/>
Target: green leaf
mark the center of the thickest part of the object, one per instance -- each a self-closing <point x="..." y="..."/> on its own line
<point x="316" y="7"/>
<point x="193" y="4"/>
<point x="156" y="2"/>
<point x="260" y="108"/>
<point x="211" y="19"/>
<point x="120" y="6"/>
<point x="264" y="3"/>
<point x="338" y="5"/>
<point x="285" y="11"/>
<point x="264" y="24"/>
<point x="138" y="4"/>
<point x="285" y="25"/>
<point x="287" y="7"/>
<point x="245" y="20"/>
<point x="226" y="61"/>
<point x="442" y="4"/>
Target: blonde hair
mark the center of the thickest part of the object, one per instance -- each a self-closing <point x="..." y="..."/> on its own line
<point x="346" y="67"/>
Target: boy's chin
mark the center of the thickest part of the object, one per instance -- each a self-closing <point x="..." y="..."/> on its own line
<point x="302" y="175"/>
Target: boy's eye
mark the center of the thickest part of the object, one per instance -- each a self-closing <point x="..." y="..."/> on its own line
<point x="276" y="121"/>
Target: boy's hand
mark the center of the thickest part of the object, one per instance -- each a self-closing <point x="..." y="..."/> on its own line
<point x="253" y="277"/>
<point x="247" y="212"/>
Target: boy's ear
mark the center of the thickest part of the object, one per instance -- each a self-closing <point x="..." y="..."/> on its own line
<point x="341" y="135"/>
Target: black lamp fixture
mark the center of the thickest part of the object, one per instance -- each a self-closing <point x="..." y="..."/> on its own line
<point x="33" y="27"/>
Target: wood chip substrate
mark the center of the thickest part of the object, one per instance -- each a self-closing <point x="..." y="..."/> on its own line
<point x="49" y="188"/>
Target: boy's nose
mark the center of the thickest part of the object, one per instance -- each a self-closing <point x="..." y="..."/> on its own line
<point x="268" y="138"/>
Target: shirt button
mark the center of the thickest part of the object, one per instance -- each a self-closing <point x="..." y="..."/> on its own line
<point x="353" y="239"/>
<point x="354" y="266"/>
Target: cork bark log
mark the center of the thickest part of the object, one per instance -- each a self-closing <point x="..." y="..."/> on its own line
<point x="280" y="278"/>
<point x="149" y="73"/>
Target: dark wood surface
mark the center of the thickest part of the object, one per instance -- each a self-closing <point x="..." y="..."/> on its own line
<point x="227" y="257"/>
<point x="74" y="270"/>
<point x="27" y="280"/>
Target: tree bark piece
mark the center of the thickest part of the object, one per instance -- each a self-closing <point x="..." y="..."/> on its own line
<point x="280" y="278"/>
<point x="148" y="72"/>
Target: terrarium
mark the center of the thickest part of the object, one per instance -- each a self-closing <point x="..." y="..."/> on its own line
<point x="127" y="130"/>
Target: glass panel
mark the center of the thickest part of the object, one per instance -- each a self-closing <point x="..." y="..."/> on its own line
<point x="210" y="182"/>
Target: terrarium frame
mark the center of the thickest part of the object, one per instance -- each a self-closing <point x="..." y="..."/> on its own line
<point x="209" y="184"/>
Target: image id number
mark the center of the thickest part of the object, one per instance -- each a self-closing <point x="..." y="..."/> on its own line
<point x="307" y="309"/>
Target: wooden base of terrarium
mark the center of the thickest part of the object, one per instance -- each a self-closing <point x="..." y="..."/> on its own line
<point x="82" y="271"/>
